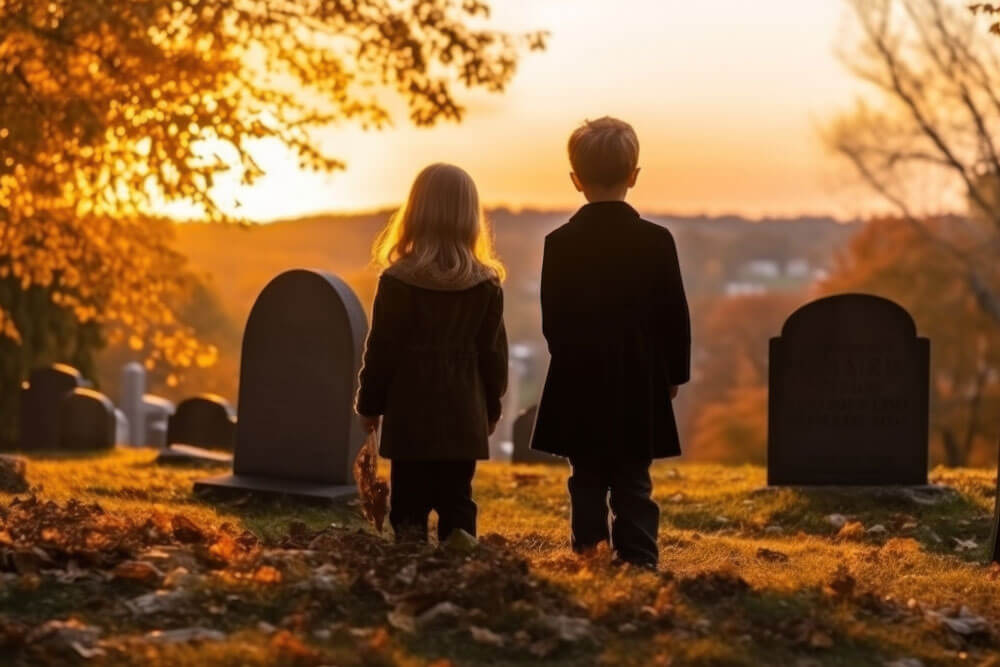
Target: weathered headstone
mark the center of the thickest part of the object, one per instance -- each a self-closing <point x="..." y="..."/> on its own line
<point x="156" y="411"/>
<point x="146" y="414"/>
<point x="297" y="432"/>
<point x="133" y="387"/>
<point x="523" y="453"/>
<point x="121" y="427"/>
<point x="199" y="427"/>
<point x="41" y="397"/>
<point x="849" y="391"/>
<point x="86" y="421"/>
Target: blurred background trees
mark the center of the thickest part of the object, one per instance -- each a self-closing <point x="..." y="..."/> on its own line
<point x="108" y="109"/>
<point x="925" y="140"/>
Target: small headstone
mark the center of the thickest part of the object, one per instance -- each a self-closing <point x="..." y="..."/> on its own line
<point x="121" y="427"/>
<point x="156" y="412"/>
<point x="86" y="421"/>
<point x="297" y="432"/>
<point x="849" y="391"/>
<point x="199" y="427"/>
<point x="133" y="388"/>
<point x="41" y="398"/>
<point x="523" y="453"/>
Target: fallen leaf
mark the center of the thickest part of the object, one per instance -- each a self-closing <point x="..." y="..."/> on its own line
<point x="185" y="530"/>
<point x="265" y="574"/>
<point x="288" y="645"/>
<point x="157" y="602"/>
<point x="965" y="545"/>
<point x="485" y="636"/>
<point x="137" y="570"/>
<point x="772" y="556"/>
<point x="184" y="635"/>
<point x="440" y="611"/>
<point x="852" y="530"/>
<point x="402" y="621"/>
<point x="567" y="628"/>
<point x="964" y="623"/>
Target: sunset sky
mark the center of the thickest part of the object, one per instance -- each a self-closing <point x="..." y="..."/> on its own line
<point x="727" y="97"/>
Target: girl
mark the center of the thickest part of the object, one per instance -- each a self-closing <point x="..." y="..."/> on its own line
<point x="435" y="365"/>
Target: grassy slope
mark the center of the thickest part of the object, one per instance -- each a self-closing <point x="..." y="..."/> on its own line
<point x="810" y="597"/>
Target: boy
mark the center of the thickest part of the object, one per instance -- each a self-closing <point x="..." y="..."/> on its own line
<point x="618" y="330"/>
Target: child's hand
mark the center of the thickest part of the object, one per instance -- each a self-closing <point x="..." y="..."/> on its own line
<point x="370" y="424"/>
<point x="674" y="389"/>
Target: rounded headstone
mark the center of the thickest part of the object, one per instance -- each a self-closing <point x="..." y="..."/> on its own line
<point x="849" y="395"/>
<point x="86" y="421"/>
<point x="41" y="397"/>
<point x="302" y="350"/>
<point x="203" y="421"/>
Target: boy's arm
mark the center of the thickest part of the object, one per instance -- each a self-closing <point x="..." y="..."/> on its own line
<point x="380" y="354"/>
<point x="492" y="345"/>
<point x="676" y="318"/>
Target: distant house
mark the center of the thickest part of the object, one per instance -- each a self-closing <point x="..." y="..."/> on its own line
<point x="766" y="269"/>
<point x="744" y="288"/>
<point x="798" y="269"/>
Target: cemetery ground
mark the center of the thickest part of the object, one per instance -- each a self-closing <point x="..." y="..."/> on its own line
<point x="109" y="559"/>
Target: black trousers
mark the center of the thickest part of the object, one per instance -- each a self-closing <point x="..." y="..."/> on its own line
<point x="417" y="487"/>
<point x="598" y="485"/>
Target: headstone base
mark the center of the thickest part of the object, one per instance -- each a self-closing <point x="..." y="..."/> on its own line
<point x="189" y="455"/>
<point x="267" y="485"/>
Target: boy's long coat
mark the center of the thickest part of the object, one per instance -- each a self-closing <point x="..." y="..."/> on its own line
<point x="617" y="324"/>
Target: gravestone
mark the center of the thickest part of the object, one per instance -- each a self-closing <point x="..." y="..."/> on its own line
<point x="199" y="427"/>
<point x="146" y="414"/>
<point x="156" y="411"/>
<point x="121" y="428"/>
<point x="86" y="421"/>
<point x="133" y="387"/>
<point x="297" y="432"/>
<point x="523" y="453"/>
<point x="848" y="397"/>
<point x="41" y="398"/>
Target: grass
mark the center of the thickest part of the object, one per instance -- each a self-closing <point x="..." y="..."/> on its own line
<point x="749" y="575"/>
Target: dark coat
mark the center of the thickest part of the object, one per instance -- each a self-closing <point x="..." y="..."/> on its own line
<point x="435" y="368"/>
<point x="616" y="321"/>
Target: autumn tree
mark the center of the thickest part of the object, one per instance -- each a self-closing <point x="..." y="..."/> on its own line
<point x="110" y="108"/>
<point x="891" y="258"/>
<point x="730" y="391"/>
<point x="925" y="139"/>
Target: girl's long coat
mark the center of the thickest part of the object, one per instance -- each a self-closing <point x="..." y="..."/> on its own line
<point x="616" y="321"/>
<point x="435" y="368"/>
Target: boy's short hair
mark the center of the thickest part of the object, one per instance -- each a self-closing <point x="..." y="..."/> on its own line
<point x="604" y="152"/>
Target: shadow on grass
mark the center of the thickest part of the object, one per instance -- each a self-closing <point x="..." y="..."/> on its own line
<point x="937" y="517"/>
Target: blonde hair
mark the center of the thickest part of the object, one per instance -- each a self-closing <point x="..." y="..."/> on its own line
<point x="604" y="152"/>
<point x="441" y="231"/>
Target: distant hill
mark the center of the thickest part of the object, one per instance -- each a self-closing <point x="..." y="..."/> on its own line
<point x="719" y="255"/>
<point x="238" y="261"/>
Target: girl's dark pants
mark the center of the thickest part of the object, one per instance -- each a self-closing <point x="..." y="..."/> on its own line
<point x="601" y="482"/>
<point x="417" y="487"/>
